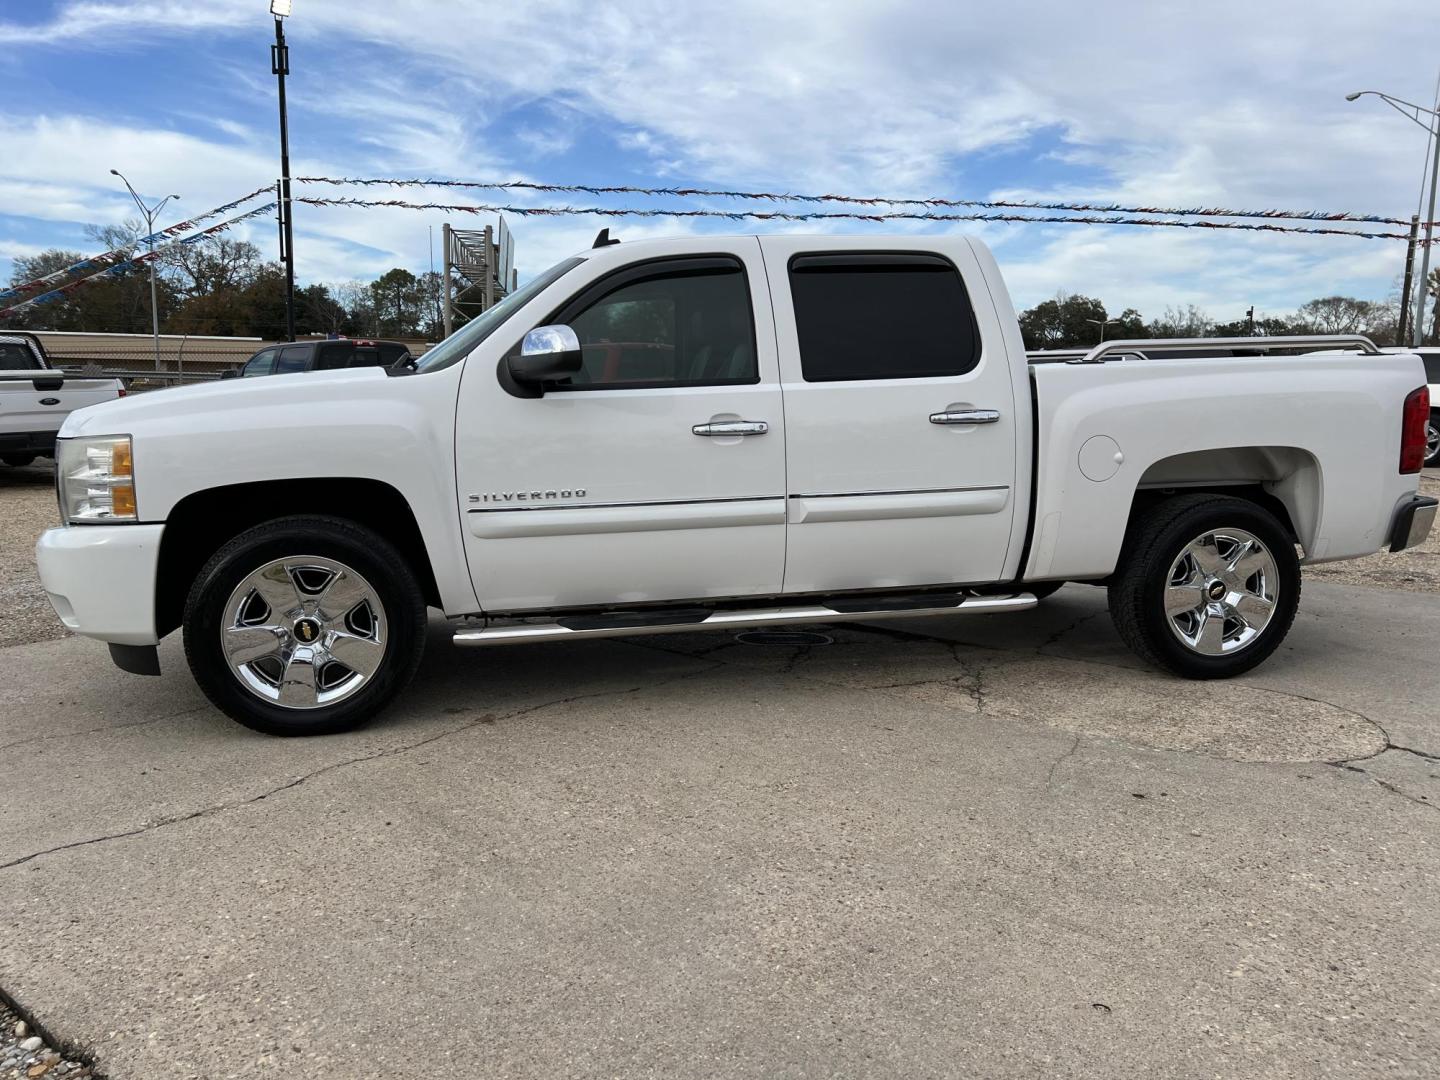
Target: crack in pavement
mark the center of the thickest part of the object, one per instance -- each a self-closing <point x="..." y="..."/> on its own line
<point x="1344" y="763"/>
<point x="1054" y="765"/>
<point x="1054" y="639"/>
<point x="394" y="751"/>
<point x="1384" y="785"/>
<point x="57" y="735"/>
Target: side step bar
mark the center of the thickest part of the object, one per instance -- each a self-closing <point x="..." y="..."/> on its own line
<point x="513" y="633"/>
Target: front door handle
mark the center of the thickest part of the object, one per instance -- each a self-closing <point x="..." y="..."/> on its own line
<point x="966" y="416"/>
<point x="732" y="427"/>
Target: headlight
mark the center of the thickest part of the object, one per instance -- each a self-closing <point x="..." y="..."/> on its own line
<point x="96" y="479"/>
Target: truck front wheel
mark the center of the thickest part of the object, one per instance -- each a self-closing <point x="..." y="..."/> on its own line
<point x="304" y="626"/>
<point x="1207" y="586"/>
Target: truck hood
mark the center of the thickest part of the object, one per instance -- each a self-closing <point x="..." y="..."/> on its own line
<point x="235" y="396"/>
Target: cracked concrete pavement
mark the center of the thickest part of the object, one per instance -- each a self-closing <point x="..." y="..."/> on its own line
<point x="982" y="846"/>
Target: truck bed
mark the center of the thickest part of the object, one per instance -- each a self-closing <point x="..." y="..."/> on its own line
<point x="1304" y="430"/>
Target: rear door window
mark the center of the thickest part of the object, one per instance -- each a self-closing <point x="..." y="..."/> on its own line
<point x="293" y="358"/>
<point x="333" y="354"/>
<point x="882" y="316"/>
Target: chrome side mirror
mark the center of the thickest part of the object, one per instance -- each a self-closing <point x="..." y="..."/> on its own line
<point x="548" y="354"/>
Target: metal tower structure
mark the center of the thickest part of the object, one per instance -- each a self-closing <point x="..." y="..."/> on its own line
<point x="479" y="271"/>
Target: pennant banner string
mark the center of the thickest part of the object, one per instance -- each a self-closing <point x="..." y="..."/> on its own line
<point x="119" y="255"/>
<point x="772" y="196"/>
<point x="780" y="215"/>
<point x="120" y="269"/>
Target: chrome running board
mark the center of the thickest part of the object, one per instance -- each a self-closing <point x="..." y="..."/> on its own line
<point x="514" y="631"/>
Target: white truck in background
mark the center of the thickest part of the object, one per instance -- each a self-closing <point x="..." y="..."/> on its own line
<point x="35" y="398"/>
<point x="719" y="432"/>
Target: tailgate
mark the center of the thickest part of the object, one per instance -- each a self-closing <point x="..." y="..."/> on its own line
<point x="40" y="400"/>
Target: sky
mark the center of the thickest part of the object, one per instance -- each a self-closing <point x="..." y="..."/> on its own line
<point x="1159" y="103"/>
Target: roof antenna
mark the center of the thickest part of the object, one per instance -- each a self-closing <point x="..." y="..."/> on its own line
<point x="603" y="239"/>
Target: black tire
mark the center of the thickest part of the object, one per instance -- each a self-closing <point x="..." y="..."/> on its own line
<point x="18" y="461"/>
<point x="382" y="569"/>
<point x="1432" y="440"/>
<point x="1154" y="543"/>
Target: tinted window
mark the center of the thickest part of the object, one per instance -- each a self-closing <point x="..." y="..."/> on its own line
<point x="335" y="354"/>
<point x="262" y="363"/>
<point x="870" y="316"/>
<point x="366" y="356"/>
<point x="293" y="358"/>
<point x="391" y="352"/>
<point x="15" y="357"/>
<point x="1432" y="366"/>
<point x="684" y="324"/>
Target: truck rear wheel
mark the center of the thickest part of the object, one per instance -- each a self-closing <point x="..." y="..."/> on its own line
<point x="304" y="626"/>
<point x="1207" y="586"/>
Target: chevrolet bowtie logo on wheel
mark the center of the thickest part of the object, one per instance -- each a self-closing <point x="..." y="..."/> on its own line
<point x="307" y="630"/>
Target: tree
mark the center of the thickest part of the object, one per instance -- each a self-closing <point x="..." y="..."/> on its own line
<point x="1181" y="322"/>
<point x="1130" y="324"/>
<point x="401" y="304"/>
<point x="214" y="264"/>
<point x="1335" y="315"/>
<point x="322" y="310"/>
<point x="1265" y="326"/>
<point x="1063" y="322"/>
<point x="354" y="297"/>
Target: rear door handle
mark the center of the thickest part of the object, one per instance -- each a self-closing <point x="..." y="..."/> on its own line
<point x="966" y="416"/>
<point x="732" y="427"/>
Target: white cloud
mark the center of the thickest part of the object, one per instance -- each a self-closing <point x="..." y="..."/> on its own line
<point x="96" y="22"/>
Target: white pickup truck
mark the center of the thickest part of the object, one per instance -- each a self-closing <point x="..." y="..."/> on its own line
<point x="711" y="433"/>
<point x="35" y="398"/>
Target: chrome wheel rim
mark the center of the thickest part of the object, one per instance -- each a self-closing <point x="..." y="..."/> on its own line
<point x="1432" y="440"/>
<point x="303" y="632"/>
<point x="1221" y="592"/>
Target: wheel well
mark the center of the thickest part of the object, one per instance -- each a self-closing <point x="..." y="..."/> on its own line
<point x="1284" y="480"/>
<point x="200" y="524"/>
<point x="1145" y="498"/>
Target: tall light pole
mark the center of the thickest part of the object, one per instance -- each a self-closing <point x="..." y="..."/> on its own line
<point x="1411" y="111"/>
<point x="1102" y="323"/>
<point x="280" y="67"/>
<point x="150" y="213"/>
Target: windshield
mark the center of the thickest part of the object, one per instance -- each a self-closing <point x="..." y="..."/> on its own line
<point x="459" y="344"/>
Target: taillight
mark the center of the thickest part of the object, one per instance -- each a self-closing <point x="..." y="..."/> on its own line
<point x="123" y="391"/>
<point x="1412" y="430"/>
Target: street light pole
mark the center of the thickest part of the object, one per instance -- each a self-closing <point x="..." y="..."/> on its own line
<point x="1102" y="323"/>
<point x="150" y="213"/>
<point x="280" y="67"/>
<point x="1411" y="111"/>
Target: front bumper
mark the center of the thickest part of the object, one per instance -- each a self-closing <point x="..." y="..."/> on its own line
<point x="41" y="443"/>
<point x="1412" y="522"/>
<point x="101" y="579"/>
